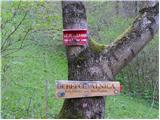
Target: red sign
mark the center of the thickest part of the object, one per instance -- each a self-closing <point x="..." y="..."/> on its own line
<point x="74" y="37"/>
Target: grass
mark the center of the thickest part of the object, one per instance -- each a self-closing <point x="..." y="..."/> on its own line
<point x="23" y="85"/>
<point x="122" y="106"/>
<point x="23" y="88"/>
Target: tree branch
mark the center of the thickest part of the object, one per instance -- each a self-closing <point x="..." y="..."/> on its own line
<point x="7" y="39"/>
<point x="143" y="29"/>
<point x="11" y="44"/>
<point x="9" y="20"/>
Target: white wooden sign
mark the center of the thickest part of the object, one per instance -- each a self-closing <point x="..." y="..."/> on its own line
<point x="77" y="89"/>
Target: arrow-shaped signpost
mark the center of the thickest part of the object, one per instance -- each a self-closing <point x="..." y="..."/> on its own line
<point x="78" y="89"/>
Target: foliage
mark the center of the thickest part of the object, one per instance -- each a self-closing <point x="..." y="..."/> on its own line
<point x="24" y="21"/>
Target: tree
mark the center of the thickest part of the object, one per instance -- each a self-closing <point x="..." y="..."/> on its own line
<point x="100" y="62"/>
<point x="22" y="21"/>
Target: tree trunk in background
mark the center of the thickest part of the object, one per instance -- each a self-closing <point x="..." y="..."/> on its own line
<point x="117" y="7"/>
<point x="99" y="62"/>
<point x="136" y="7"/>
<point x="129" y="8"/>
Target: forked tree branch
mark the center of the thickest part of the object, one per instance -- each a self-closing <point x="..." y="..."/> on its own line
<point x="143" y="29"/>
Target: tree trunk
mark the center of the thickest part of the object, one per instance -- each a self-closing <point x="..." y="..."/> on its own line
<point x="117" y="7"/>
<point x="99" y="62"/>
<point x="74" y="16"/>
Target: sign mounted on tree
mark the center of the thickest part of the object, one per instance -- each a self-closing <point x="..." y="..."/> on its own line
<point x="75" y="37"/>
<point x="77" y="89"/>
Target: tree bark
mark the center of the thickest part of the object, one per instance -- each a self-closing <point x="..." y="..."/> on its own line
<point x="74" y="16"/>
<point x="143" y="29"/>
<point x="99" y="62"/>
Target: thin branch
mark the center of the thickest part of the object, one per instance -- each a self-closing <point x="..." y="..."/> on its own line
<point x="3" y="44"/>
<point x="22" y="41"/>
<point x="15" y="50"/>
<point x="4" y="24"/>
<point x="46" y="98"/>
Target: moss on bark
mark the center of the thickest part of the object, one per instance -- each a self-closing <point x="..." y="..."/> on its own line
<point x="66" y="114"/>
<point x="96" y="47"/>
<point x="80" y="59"/>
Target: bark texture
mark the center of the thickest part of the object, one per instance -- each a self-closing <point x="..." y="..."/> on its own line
<point x="74" y="17"/>
<point x="99" y="62"/>
<point x="143" y="29"/>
